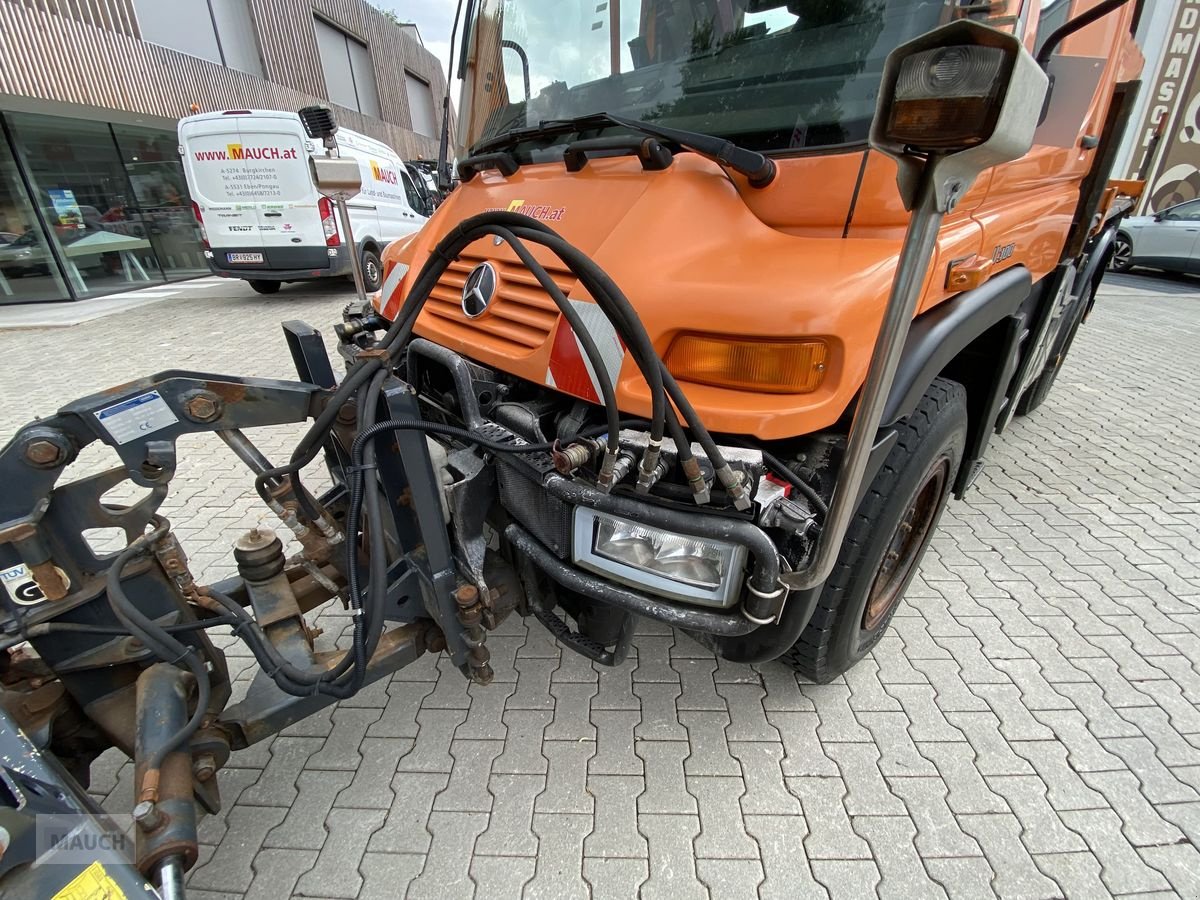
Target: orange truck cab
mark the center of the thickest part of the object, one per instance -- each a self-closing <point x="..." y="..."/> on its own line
<point x="759" y="265"/>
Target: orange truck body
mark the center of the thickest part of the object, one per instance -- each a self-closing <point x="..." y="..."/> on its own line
<point x="811" y="255"/>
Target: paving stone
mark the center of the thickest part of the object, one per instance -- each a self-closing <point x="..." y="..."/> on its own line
<point x="560" y="856"/>
<point x="1042" y="831"/>
<point x="277" y="784"/>
<point x="926" y="721"/>
<point x="485" y="718"/>
<point x="405" y="830"/>
<point x="615" y="879"/>
<point x="830" y="834"/>
<point x="900" y="868"/>
<point x="501" y="876"/>
<point x="276" y="872"/>
<point x="336" y="871"/>
<point x="1141" y="824"/>
<point x="575" y="668"/>
<point x="762" y="773"/>
<point x="699" y="689"/>
<point x="467" y="789"/>
<point x="666" y="790"/>
<point x="388" y="875"/>
<point x="447" y="867"/>
<point x="781" y="846"/>
<point x="1015" y="873"/>
<point x="837" y="720"/>
<point x="722" y="832"/>
<point x="951" y="690"/>
<point x="993" y="753"/>
<point x="672" y="866"/>
<point x="399" y="718"/>
<point x="1121" y="869"/>
<point x="1064" y="788"/>
<point x="731" y="878"/>
<point x="938" y="831"/>
<point x="867" y="693"/>
<point x="533" y="683"/>
<point x="231" y="867"/>
<point x="304" y="826"/>
<point x="523" y="747"/>
<point x="510" y="829"/>
<point x="615" y="833"/>
<point x="804" y="754"/>
<point x="369" y="790"/>
<point x="1172" y="747"/>
<point x="341" y="748"/>
<point x="867" y="793"/>
<point x="899" y="755"/>
<point x="654" y="659"/>
<point x="431" y="749"/>
<point x="968" y="792"/>
<point x="709" y="747"/>
<point x="572" y="710"/>
<point x="566" y="785"/>
<point x="660" y="719"/>
<point x="232" y="783"/>
<point x="503" y="649"/>
<point x="614" y="743"/>
<point x="1179" y="863"/>
<point x="1077" y="874"/>
<point x="963" y="876"/>
<point x="615" y="688"/>
<point x="1158" y="783"/>
<point x="847" y="878"/>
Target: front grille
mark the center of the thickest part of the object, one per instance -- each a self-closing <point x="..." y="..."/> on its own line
<point x="545" y="516"/>
<point x="521" y="316"/>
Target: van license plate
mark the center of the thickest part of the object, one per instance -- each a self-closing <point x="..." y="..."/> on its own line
<point x="244" y="257"/>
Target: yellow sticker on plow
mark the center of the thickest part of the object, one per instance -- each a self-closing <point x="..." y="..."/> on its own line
<point x="93" y="883"/>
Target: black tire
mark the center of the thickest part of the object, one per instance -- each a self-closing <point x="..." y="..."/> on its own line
<point x="912" y="486"/>
<point x="1122" y="254"/>
<point x="265" y="287"/>
<point x="372" y="270"/>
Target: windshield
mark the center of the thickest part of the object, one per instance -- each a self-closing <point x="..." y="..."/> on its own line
<point x="765" y="74"/>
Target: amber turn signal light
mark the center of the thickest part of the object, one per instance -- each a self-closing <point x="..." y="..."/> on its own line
<point x="772" y="367"/>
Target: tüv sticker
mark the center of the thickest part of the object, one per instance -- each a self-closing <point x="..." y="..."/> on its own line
<point x="22" y="588"/>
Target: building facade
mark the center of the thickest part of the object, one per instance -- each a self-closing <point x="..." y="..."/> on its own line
<point x="93" y="199"/>
<point x="1163" y="142"/>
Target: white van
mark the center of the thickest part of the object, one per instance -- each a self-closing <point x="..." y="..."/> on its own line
<point x="260" y="214"/>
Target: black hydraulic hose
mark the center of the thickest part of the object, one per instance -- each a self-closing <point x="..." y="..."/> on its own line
<point x="164" y="646"/>
<point x="586" y="341"/>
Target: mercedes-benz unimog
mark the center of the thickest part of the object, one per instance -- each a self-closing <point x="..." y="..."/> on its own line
<point x="729" y="300"/>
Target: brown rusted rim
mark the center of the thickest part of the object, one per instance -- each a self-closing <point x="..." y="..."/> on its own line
<point x="904" y="551"/>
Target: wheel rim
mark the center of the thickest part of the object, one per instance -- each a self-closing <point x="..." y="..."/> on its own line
<point x="904" y="551"/>
<point x="1122" y="251"/>
<point x="372" y="273"/>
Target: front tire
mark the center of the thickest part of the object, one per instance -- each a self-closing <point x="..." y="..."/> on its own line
<point x="372" y="271"/>
<point x="265" y="287"/>
<point x="1122" y="255"/>
<point x="887" y="537"/>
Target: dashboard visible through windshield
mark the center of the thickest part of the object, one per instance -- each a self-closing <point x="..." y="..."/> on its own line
<point x="766" y="74"/>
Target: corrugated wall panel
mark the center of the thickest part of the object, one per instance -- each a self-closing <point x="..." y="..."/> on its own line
<point x="48" y="51"/>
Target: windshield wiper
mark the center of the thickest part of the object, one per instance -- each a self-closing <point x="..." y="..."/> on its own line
<point x="758" y="168"/>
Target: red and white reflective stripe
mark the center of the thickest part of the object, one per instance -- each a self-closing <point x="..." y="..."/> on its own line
<point x="570" y="370"/>
<point x="390" y="296"/>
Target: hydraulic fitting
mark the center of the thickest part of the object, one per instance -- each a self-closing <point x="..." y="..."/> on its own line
<point x="607" y="478"/>
<point x="578" y="453"/>
<point x="648" y="472"/>
<point x="735" y="485"/>
<point x="623" y="466"/>
<point x="696" y="481"/>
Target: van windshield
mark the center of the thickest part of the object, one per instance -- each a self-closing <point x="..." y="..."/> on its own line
<point x="765" y="74"/>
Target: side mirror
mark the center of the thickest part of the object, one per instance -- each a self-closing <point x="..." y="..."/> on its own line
<point x="1159" y="217"/>
<point x="956" y="101"/>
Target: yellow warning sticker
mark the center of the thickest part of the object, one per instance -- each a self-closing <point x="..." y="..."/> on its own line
<point x="93" y="883"/>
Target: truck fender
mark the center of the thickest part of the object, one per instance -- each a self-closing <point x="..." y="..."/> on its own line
<point x="1097" y="263"/>
<point x="938" y="336"/>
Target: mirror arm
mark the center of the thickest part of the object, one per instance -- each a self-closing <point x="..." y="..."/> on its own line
<point x="1079" y="22"/>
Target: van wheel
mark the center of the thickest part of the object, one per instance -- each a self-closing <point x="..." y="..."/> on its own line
<point x="886" y="538"/>
<point x="265" y="287"/>
<point x="372" y="271"/>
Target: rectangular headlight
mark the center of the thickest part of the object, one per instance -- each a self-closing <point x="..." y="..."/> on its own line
<point x="679" y="566"/>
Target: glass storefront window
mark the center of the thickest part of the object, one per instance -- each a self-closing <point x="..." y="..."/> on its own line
<point x="28" y="271"/>
<point x="85" y="196"/>
<point x="151" y="159"/>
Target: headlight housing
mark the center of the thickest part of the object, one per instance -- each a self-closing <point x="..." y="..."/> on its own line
<point x="684" y="567"/>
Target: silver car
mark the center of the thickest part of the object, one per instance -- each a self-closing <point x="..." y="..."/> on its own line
<point x="1167" y="240"/>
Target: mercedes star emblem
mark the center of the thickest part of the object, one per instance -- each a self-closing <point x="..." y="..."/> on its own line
<point x="479" y="290"/>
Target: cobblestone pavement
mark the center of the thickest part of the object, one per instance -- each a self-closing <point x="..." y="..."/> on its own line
<point x="1029" y="727"/>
